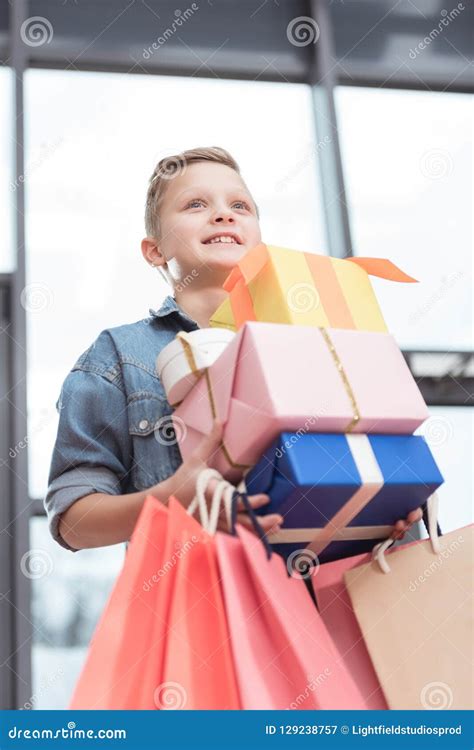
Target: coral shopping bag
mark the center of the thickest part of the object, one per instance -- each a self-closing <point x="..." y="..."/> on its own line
<point x="414" y="608"/>
<point x="338" y="616"/>
<point x="162" y="641"/>
<point x="284" y="656"/>
<point x="198" y="670"/>
<point x="113" y="675"/>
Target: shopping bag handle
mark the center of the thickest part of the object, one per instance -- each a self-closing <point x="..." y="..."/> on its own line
<point x="432" y="506"/>
<point x="223" y="494"/>
<point x="199" y="501"/>
<point x="253" y="517"/>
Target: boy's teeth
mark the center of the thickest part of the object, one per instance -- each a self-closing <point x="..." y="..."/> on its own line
<point x="222" y="239"/>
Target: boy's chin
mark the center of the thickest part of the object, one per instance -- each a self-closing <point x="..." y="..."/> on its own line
<point x="225" y="257"/>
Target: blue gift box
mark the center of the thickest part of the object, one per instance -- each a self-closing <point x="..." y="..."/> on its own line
<point x="311" y="476"/>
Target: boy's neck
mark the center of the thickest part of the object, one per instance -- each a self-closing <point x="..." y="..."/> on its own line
<point x="199" y="303"/>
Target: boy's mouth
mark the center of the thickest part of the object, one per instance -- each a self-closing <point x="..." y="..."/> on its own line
<point x="226" y="238"/>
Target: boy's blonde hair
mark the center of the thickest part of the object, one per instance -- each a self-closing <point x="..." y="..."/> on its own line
<point x="172" y="166"/>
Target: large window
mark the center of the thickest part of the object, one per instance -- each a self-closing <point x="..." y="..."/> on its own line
<point x="407" y="159"/>
<point x="69" y="592"/>
<point x="92" y="141"/>
<point x="449" y="433"/>
<point x="8" y="185"/>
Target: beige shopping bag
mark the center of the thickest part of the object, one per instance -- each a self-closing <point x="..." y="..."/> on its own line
<point x="417" y="620"/>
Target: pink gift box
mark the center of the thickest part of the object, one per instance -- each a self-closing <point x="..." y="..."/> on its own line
<point x="275" y="377"/>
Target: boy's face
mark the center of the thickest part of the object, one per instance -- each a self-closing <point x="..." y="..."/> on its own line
<point x="209" y="201"/>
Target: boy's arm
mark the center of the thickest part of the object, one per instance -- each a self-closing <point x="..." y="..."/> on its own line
<point x="99" y="520"/>
<point x="93" y="451"/>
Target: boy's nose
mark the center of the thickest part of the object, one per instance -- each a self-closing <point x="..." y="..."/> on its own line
<point x="224" y="215"/>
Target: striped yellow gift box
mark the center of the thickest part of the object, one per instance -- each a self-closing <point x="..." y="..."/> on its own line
<point x="277" y="285"/>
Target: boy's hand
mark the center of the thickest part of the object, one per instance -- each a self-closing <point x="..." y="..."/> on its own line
<point x="401" y="527"/>
<point x="183" y="484"/>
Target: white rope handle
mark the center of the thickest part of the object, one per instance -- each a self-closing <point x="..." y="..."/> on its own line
<point x="199" y="501"/>
<point x="223" y="493"/>
<point x="378" y="553"/>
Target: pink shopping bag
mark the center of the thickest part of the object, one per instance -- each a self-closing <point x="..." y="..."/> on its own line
<point x="283" y="653"/>
<point x="337" y="614"/>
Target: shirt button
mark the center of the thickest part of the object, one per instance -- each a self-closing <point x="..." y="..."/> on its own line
<point x="143" y="424"/>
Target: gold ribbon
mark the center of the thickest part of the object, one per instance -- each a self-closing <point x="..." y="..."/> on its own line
<point x="340" y="368"/>
<point x="189" y="354"/>
<point x="188" y="351"/>
<point x="212" y="403"/>
<point x="186" y="343"/>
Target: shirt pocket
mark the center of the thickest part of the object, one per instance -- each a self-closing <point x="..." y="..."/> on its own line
<point x="155" y="450"/>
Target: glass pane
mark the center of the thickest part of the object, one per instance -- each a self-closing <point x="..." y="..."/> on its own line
<point x="407" y="159"/>
<point x="69" y="592"/>
<point x="7" y="183"/>
<point x="101" y="136"/>
<point x="449" y="432"/>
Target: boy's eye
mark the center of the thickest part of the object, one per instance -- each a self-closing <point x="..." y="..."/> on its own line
<point x="196" y="202"/>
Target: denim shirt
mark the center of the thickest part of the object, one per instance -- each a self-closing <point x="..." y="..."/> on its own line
<point x="115" y="433"/>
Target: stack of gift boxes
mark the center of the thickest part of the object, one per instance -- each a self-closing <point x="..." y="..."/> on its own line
<point x="318" y="404"/>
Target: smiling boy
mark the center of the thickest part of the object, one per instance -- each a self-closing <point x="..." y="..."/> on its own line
<point x="115" y="443"/>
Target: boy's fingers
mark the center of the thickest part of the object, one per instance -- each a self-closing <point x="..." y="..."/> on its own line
<point x="271" y="523"/>
<point x="415" y="516"/>
<point x="256" y="501"/>
<point x="210" y="444"/>
<point x="399" y="530"/>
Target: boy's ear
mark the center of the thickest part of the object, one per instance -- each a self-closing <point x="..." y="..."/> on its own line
<point x="152" y="253"/>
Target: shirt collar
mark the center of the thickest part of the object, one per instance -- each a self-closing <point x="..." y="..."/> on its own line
<point x="170" y="306"/>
